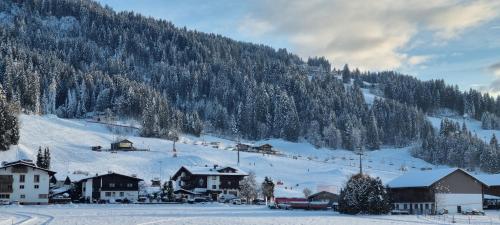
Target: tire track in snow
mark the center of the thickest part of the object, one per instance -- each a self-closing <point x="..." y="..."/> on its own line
<point x="34" y="218"/>
<point x="24" y="218"/>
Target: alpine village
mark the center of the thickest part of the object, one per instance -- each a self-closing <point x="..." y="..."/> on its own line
<point x="107" y="110"/>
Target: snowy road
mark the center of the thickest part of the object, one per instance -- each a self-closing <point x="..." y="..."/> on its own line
<point x="210" y="214"/>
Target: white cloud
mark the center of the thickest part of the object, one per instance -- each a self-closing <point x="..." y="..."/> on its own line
<point x="495" y="69"/>
<point x="418" y="59"/>
<point x="366" y="34"/>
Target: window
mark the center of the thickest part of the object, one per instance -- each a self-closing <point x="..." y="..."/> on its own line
<point x="22" y="178"/>
<point x="22" y="196"/>
<point x="397" y="206"/>
<point x="4" y="196"/>
<point x="130" y="185"/>
<point x="112" y="185"/>
<point x="36" y="186"/>
<point x="37" y="178"/>
<point x="426" y="205"/>
<point x="405" y="206"/>
<point x="21" y="186"/>
<point x="43" y="196"/>
<point x="122" y="194"/>
<point x="416" y="206"/>
<point x="214" y="186"/>
<point x="108" y="194"/>
<point x="214" y="178"/>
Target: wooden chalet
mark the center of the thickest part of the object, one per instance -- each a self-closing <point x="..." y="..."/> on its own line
<point x="123" y="145"/>
<point x="208" y="181"/>
<point x="111" y="187"/>
<point x="431" y="191"/>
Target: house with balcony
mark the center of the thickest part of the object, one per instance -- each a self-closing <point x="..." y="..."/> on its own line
<point x="212" y="181"/>
<point x="111" y="187"/>
<point x="24" y="182"/>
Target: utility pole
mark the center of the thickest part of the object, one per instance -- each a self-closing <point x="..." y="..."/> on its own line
<point x="238" y="149"/>
<point x="360" y="153"/>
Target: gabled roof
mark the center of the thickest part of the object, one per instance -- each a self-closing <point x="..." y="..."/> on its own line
<point x="123" y="141"/>
<point x="424" y="178"/>
<point x="208" y="171"/>
<point x="110" y="174"/>
<point x="321" y="192"/>
<point x="490" y="179"/>
<point x="28" y="164"/>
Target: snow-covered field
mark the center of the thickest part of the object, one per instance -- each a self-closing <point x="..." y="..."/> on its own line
<point x="301" y="166"/>
<point x="213" y="214"/>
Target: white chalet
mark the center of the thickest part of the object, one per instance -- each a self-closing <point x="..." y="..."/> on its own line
<point x="22" y="181"/>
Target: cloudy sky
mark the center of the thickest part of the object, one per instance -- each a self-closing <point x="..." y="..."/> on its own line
<point x="458" y="41"/>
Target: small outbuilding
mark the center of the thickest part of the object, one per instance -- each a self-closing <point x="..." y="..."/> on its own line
<point x="123" y="145"/>
<point x="325" y="196"/>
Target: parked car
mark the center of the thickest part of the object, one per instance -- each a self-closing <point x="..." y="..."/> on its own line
<point x="442" y="211"/>
<point x="236" y="201"/>
<point x="197" y="200"/>
<point x="473" y="212"/>
<point x="259" y="202"/>
<point x="226" y="198"/>
<point x="272" y="206"/>
<point x="142" y="199"/>
<point x="5" y="202"/>
<point x="243" y="201"/>
<point x="284" y="206"/>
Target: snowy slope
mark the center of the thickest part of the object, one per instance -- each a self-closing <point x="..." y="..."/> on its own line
<point x="317" y="169"/>
<point x="473" y="125"/>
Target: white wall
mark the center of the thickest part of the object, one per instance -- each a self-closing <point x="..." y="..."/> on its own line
<point x="451" y="201"/>
<point x="32" y="195"/>
<point x="88" y="188"/>
<point x="130" y="195"/>
<point x="211" y="181"/>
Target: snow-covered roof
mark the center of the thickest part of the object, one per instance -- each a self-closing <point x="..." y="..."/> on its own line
<point x="490" y="179"/>
<point x="421" y="178"/>
<point x="26" y="163"/>
<point x="207" y="170"/>
<point x="491" y="197"/>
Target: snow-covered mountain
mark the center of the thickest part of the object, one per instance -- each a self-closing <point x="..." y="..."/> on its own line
<point x="301" y="166"/>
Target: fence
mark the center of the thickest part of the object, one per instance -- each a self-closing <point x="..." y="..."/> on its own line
<point x="463" y="219"/>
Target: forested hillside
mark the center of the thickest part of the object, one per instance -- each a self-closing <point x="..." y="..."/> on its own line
<point x="75" y="58"/>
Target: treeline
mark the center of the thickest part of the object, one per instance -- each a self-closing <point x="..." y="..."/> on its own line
<point x="9" y="125"/>
<point x="432" y="95"/>
<point x="72" y="58"/>
<point x="454" y="145"/>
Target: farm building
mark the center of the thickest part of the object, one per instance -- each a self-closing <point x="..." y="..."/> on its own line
<point x="492" y="191"/>
<point x="428" y="192"/>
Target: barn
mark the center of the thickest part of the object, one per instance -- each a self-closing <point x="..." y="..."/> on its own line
<point x="432" y="191"/>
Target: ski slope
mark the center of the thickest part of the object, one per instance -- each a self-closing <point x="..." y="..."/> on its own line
<point x="301" y="165"/>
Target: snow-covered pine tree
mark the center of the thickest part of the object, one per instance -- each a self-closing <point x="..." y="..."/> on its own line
<point x="267" y="188"/>
<point x="364" y="194"/>
<point x="249" y="187"/>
